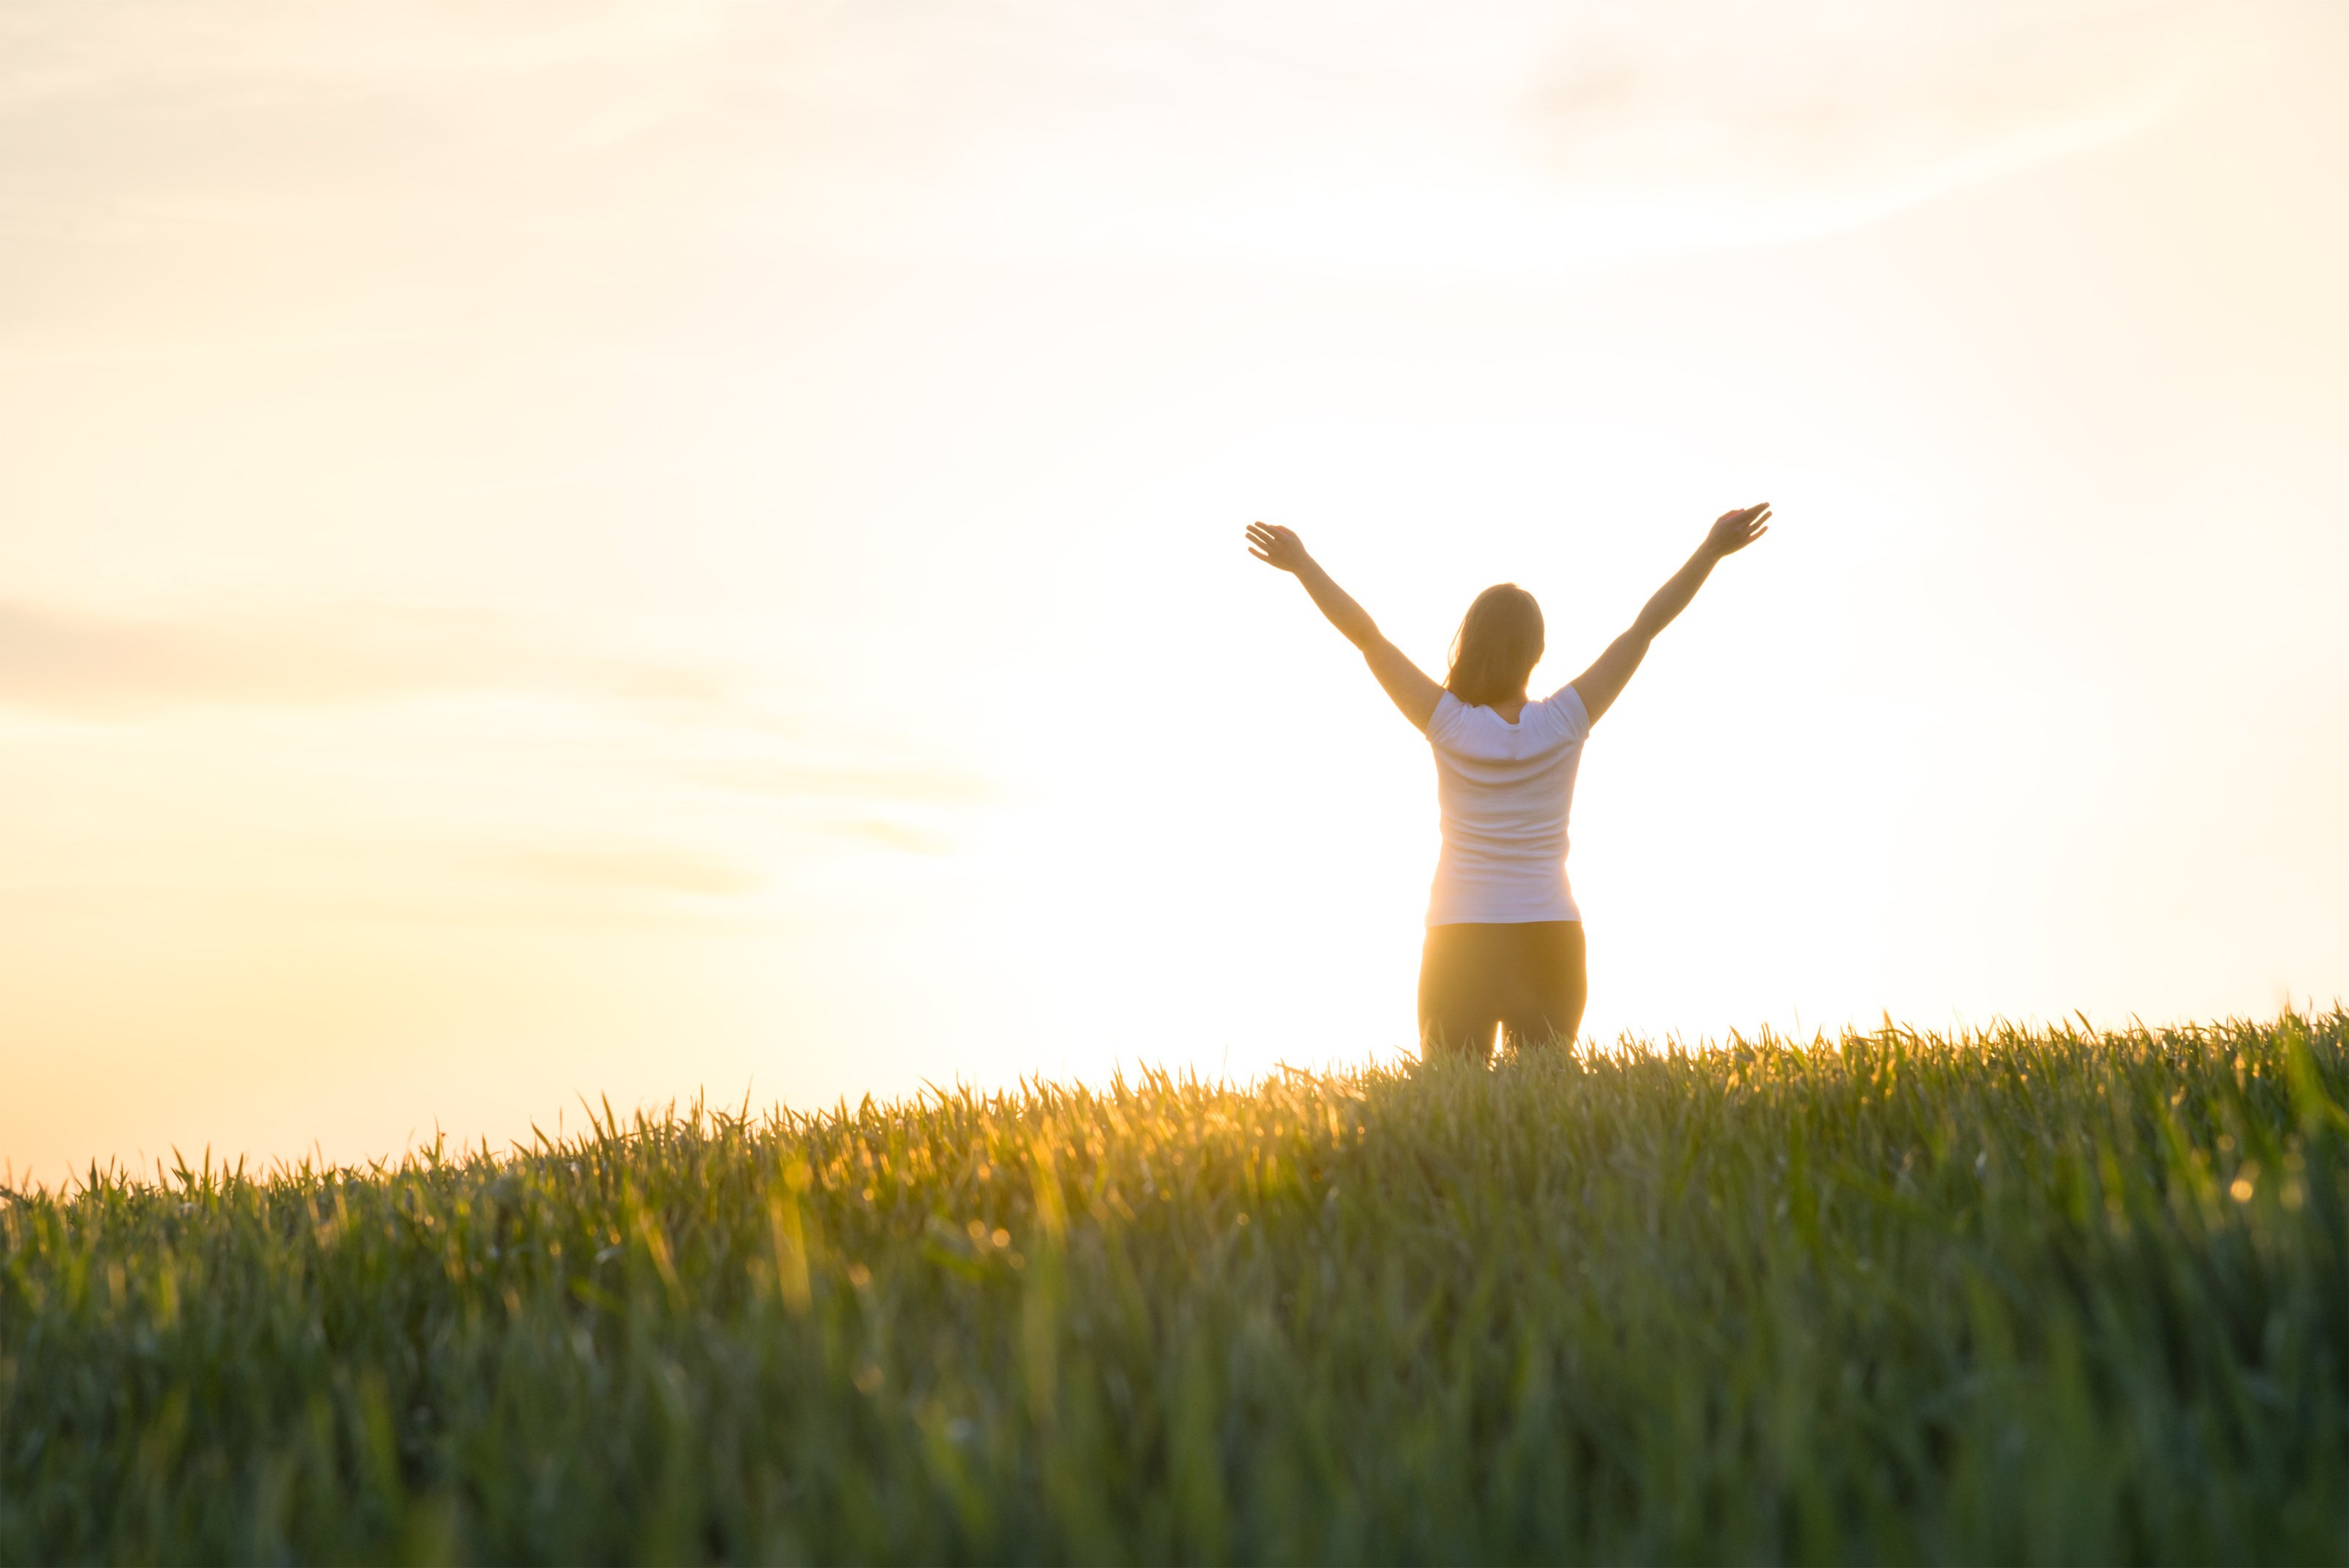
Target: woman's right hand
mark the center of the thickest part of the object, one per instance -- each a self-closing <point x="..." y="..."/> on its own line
<point x="1732" y="531"/>
<point x="1277" y="547"/>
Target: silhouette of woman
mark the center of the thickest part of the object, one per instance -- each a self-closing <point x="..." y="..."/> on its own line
<point x="1504" y="938"/>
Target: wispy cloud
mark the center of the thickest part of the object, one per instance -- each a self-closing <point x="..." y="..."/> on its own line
<point x="65" y="662"/>
<point x="1834" y="110"/>
<point x="706" y="743"/>
<point x="649" y="868"/>
<point x="868" y="794"/>
<point x="1484" y="132"/>
<point x="900" y="836"/>
<point x="64" y="49"/>
<point x="1367" y="134"/>
<point x="862" y="780"/>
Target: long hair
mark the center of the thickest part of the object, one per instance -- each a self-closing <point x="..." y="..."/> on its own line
<point x="1497" y="645"/>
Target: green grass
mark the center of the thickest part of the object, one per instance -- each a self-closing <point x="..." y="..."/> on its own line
<point x="2017" y="1296"/>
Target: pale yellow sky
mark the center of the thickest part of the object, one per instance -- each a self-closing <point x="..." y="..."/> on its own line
<point x="557" y="550"/>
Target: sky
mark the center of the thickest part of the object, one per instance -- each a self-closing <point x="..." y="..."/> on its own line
<point x="564" y="553"/>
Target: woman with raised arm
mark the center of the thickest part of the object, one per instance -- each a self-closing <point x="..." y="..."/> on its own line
<point x="1504" y="938"/>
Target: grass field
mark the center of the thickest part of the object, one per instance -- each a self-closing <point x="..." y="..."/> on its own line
<point x="2018" y="1296"/>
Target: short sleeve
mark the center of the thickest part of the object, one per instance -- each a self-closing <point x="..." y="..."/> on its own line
<point x="1446" y="717"/>
<point x="1573" y="718"/>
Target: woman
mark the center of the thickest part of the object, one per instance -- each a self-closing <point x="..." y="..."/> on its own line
<point x="1504" y="938"/>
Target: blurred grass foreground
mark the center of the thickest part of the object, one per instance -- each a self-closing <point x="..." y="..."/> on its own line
<point x="2020" y="1295"/>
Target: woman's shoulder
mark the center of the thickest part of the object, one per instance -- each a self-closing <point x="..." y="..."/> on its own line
<point x="1447" y="714"/>
<point x="1564" y="711"/>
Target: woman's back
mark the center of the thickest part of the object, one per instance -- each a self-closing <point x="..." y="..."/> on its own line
<point x="1505" y="791"/>
<point x="1504" y="946"/>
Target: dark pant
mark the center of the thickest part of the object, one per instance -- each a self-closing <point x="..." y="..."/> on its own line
<point x="1525" y="978"/>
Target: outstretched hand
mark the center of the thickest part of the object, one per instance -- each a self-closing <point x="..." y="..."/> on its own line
<point x="1277" y="547"/>
<point x="1732" y="531"/>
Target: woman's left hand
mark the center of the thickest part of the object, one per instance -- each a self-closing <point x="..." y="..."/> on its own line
<point x="1277" y="547"/>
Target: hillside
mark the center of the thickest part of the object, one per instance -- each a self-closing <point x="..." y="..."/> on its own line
<point x="2019" y="1296"/>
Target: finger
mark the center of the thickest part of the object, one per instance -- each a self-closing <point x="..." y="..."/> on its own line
<point x="1260" y="556"/>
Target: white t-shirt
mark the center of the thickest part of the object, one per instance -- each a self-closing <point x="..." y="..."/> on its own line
<point x="1503" y="790"/>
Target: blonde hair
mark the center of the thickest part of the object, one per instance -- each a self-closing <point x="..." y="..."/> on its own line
<point x="1497" y="645"/>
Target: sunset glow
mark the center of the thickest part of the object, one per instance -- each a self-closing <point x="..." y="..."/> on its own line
<point x="647" y="549"/>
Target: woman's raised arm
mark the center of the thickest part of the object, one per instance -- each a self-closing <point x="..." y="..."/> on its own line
<point x="1600" y="685"/>
<point x="1405" y="681"/>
